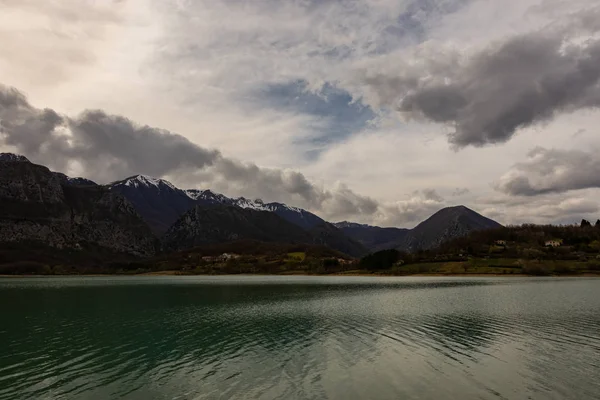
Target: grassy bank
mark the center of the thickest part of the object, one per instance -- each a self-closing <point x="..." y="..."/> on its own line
<point x="277" y="259"/>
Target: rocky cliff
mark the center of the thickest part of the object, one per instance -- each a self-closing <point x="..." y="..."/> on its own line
<point x="38" y="205"/>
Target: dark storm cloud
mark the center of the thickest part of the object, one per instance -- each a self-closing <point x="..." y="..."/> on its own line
<point x="136" y="148"/>
<point x="524" y="80"/>
<point x="111" y="147"/>
<point x="31" y="130"/>
<point x="552" y="171"/>
<point x="107" y="146"/>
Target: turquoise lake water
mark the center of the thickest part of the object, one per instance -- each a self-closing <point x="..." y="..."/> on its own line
<point x="299" y="338"/>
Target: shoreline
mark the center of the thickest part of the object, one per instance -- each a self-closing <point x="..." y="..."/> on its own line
<point x="364" y="275"/>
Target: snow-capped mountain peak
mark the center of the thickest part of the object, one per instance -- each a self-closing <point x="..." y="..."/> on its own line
<point x="146" y="181"/>
<point x="173" y="198"/>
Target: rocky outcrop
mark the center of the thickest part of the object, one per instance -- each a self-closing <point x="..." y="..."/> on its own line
<point x="13" y="157"/>
<point x="67" y="180"/>
<point x="38" y="205"/>
<point x="27" y="182"/>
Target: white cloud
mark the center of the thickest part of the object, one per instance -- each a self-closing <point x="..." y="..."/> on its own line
<point x="560" y="209"/>
<point x="191" y="67"/>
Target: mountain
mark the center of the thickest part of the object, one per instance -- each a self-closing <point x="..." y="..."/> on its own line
<point x="446" y="224"/>
<point x="225" y="223"/>
<point x="39" y="205"/>
<point x="373" y="238"/>
<point x="158" y="202"/>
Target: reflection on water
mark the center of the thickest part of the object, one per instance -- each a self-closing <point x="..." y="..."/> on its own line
<point x="299" y="337"/>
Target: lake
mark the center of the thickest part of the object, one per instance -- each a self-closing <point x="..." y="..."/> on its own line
<point x="246" y="337"/>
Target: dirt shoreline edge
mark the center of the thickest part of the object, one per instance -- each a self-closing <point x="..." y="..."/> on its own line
<point x="364" y="275"/>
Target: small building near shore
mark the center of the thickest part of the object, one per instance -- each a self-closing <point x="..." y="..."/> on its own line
<point x="553" y="243"/>
<point x="221" y="258"/>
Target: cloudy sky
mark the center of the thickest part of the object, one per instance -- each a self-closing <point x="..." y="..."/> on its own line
<point x="375" y="111"/>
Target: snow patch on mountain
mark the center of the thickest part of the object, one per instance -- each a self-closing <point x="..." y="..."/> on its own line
<point x="207" y="196"/>
<point x="281" y="206"/>
<point x="346" y="224"/>
<point x="257" y="204"/>
<point x="242" y="202"/>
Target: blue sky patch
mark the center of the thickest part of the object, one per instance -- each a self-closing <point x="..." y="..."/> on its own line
<point x="335" y="107"/>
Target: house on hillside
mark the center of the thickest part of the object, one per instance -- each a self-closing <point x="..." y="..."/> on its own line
<point x="222" y="258"/>
<point x="553" y="243"/>
<point x="500" y="243"/>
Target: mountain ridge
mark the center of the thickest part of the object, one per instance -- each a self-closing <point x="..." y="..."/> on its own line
<point x="160" y="204"/>
<point x="185" y="199"/>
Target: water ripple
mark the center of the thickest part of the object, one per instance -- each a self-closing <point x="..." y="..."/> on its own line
<point x="300" y="338"/>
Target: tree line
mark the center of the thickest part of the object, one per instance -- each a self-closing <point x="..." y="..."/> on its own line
<point x="527" y="242"/>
